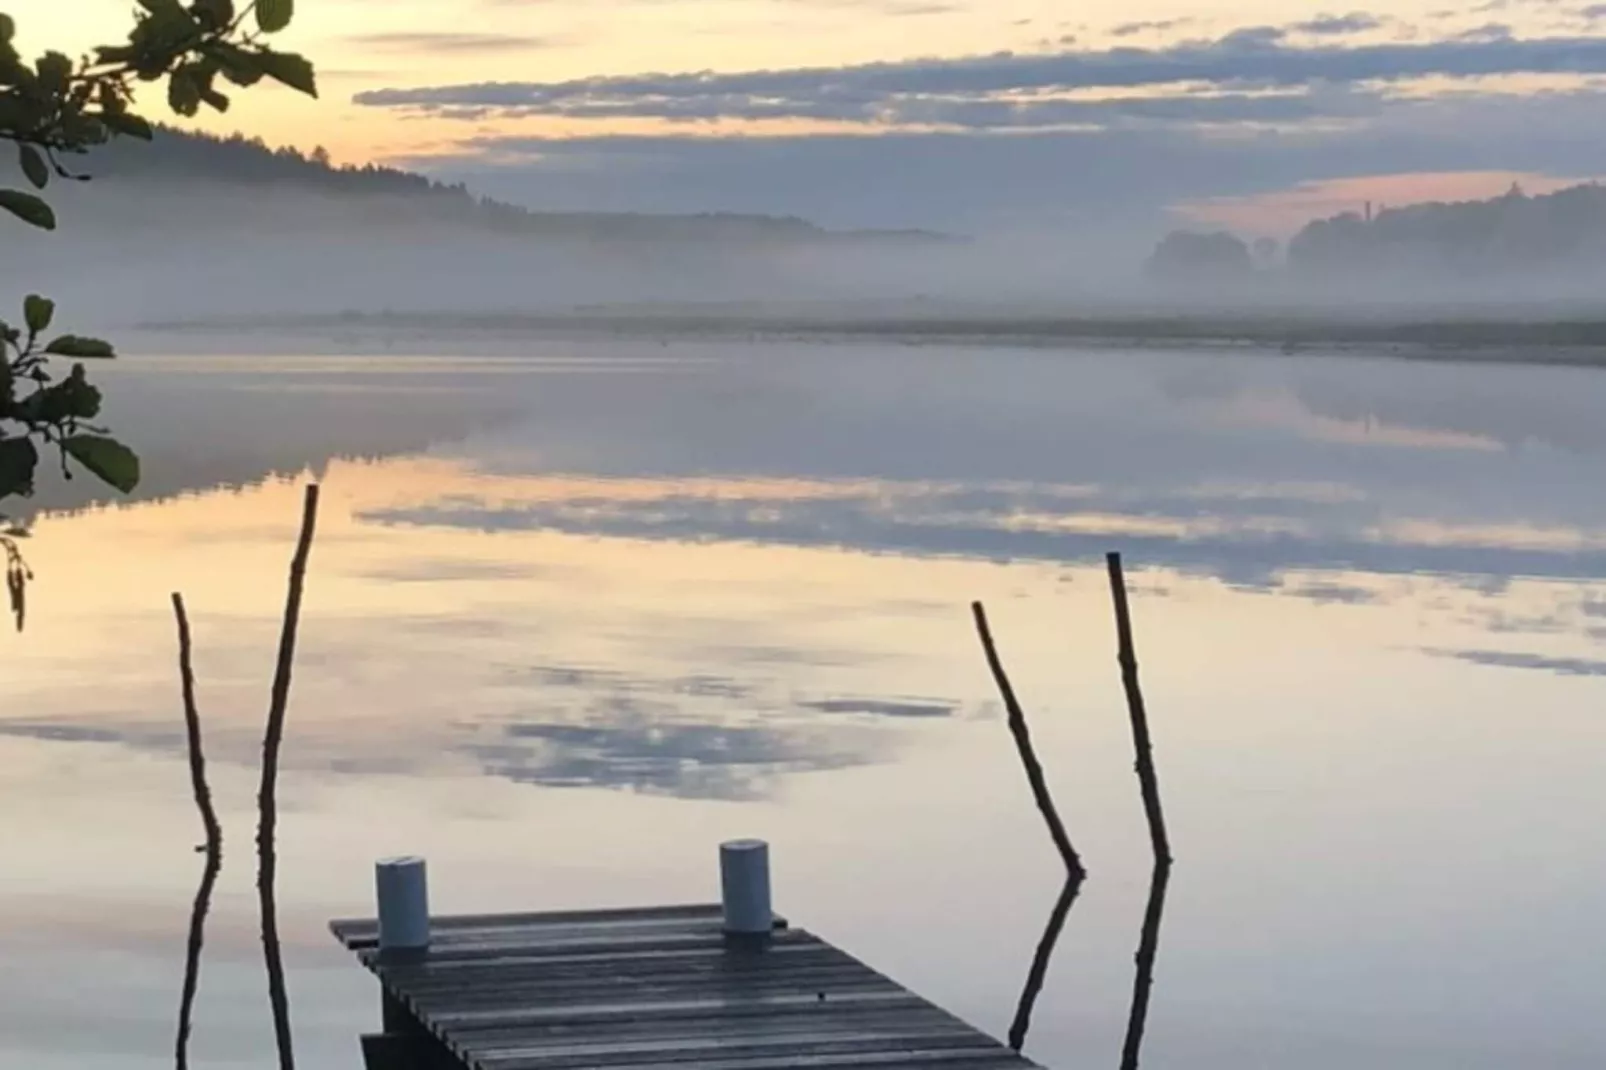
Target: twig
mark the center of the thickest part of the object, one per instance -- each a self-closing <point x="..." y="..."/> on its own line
<point x="1147" y="779"/>
<point x="1143" y="980"/>
<point x="214" y="839"/>
<point x="1040" y="960"/>
<point x="1023" y="743"/>
<point x="17" y="579"/>
<point x="267" y="801"/>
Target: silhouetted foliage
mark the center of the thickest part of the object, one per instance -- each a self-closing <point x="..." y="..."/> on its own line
<point x="1186" y="257"/>
<point x="179" y="156"/>
<point x="56" y="108"/>
<point x="1470" y="239"/>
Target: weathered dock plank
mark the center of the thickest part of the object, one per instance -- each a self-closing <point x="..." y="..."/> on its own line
<point x="656" y="989"/>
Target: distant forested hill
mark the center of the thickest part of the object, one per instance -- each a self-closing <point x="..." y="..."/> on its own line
<point x="179" y="161"/>
<point x="190" y="226"/>
<point x="1507" y="235"/>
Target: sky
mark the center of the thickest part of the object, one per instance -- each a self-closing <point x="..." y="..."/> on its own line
<point x="965" y="114"/>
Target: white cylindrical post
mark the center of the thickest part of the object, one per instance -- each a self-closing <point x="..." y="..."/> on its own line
<point x="403" y="891"/>
<point x="744" y="872"/>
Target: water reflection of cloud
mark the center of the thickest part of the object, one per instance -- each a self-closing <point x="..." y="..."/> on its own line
<point x="1247" y="539"/>
<point x="646" y="752"/>
<point x="882" y="707"/>
<point x="1502" y="659"/>
<point x="701" y="735"/>
<point x="100" y="732"/>
<point x="691" y="734"/>
<point x="431" y="570"/>
<point x="1287" y="410"/>
<point x="1328" y="592"/>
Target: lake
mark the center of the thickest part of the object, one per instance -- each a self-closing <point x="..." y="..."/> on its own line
<point x="580" y="610"/>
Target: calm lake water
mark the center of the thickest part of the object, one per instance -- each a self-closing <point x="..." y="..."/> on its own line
<point x="579" y="611"/>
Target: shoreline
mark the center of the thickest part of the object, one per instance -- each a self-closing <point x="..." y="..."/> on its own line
<point x="1558" y="342"/>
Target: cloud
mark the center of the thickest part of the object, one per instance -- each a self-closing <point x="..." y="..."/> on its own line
<point x="988" y="114"/>
<point x="1005" y="86"/>
<point x="893" y="8"/>
<point x="1132" y="29"/>
<point x="1111" y="183"/>
<point x="1339" y="25"/>
<point x="1489" y="32"/>
<point x="1500" y="659"/>
<point x="450" y="42"/>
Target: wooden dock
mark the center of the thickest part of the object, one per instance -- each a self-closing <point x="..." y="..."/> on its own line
<point x="664" y="988"/>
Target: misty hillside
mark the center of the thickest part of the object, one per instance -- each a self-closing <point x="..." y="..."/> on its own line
<point x="180" y="162"/>
<point x="1543" y="253"/>
<point x="1510" y="234"/>
<point x="190" y="225"/>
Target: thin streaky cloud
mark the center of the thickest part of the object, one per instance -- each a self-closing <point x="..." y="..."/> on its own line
<point x="1132" y="29"/>
<point x="1252" y="57"/>
<point x="1355" y="22"/>
<point x="451" y="42"/>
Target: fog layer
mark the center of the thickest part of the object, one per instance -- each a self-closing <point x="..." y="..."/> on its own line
<point x="195" y="229"/>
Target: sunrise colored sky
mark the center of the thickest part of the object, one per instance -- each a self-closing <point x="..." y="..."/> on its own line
<point x="521" y="96"/>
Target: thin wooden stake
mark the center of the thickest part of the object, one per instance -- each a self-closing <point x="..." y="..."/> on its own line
<point x="1023" y="743"/>
<point x="267" y="800"/>
<point x="214" y="839"/>
<point x="1148" y="781"/>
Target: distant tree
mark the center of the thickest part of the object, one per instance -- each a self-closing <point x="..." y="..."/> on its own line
<point x="56" y="108"/>
<point x="1266" y="250"/>
<point x="1188" y="257"/>
<point x="320" y="156"/>
<point x="1513" y="233"/>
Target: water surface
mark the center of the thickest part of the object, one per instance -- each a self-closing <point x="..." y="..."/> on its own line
<point x="580" y="610"/>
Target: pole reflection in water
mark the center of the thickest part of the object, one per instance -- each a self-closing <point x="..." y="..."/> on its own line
<point x="1045" y="951"/>
<point x="1143" y="979"/>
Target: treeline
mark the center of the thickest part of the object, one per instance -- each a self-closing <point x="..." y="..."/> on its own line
<point x="1513" y="234"/>
<point x="180" y="158"/>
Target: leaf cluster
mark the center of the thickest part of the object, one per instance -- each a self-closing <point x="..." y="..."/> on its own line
<point x="53" y="108"/>
<point x="56" y="107"/>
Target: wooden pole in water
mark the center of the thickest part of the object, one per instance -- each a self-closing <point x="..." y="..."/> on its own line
<point x="267" y="794"/>
<point x="1148" y="781"/>
<point x="1028" y="753"/>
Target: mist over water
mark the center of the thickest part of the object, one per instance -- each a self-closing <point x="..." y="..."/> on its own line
<point x="134" y="250"/>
